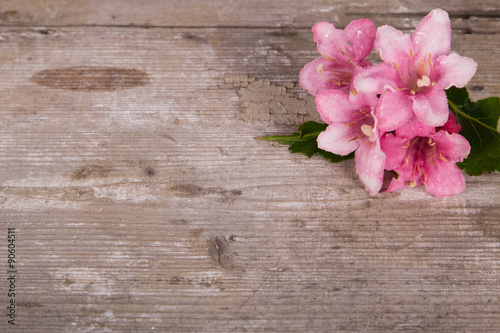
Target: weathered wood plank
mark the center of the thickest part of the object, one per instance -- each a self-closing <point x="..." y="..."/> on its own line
<point x="240" y="13"/>
<point x="143" y="203"/>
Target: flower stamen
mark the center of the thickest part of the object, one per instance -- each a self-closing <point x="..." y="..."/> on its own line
<point x="328" y="58"/>
<point x="367" y="130"/>
<point x="353" y="139"/>
<point x="412" y="184"/>
<point x="440" y="156"/>
<point x="319" y="69"/>
<point x="425" y="81"/>
<point x="422" y="173"/>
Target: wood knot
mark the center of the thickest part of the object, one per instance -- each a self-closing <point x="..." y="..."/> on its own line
<point x="220" y="252"/>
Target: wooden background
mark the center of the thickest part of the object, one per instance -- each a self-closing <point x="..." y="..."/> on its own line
<point x="143" y="203"/>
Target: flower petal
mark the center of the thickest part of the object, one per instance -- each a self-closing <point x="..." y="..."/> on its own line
<point x="454" y="70"/>
<point x="431" y="107"/>
<point x="432" y="36"/>
<point x="397" y="184"/>
<point x="443" y="178"/>
<point x="452" y="147"/>
<point x="321" y="74"/>
<point x="451" y="126"/>
<point x="372" y="81"/>
<point x="394" y="150"/>
<point x="413" y="128"/>
<point x="394" y="109"/>
<point x="339" y="139"/>
<point x="361" y="35"/>
<point x="393" y="46"/>
<point x="334" y="107"/>
<point x="331" y="42"/>
<point x="370" y="162"/>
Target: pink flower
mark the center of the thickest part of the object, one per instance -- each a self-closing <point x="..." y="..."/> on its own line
<point x="343" y="52"/>
<point x="415" y="72"/>
<point x="430" y="160"/>
<point x="352" y="128"/>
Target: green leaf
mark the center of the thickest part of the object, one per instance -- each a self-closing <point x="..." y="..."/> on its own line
<point x="304" y="141"/>
<point x="480" y="123"/>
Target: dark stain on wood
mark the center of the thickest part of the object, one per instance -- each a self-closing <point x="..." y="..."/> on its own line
<point x="91" y="171"/>
<point x="7" y="14"/>
<point x="188" y="190"/>
<point x="29" y="305"/>
<point x="194" y="191"/>
<point x="489" y="222"/>
<point x="220" y="252"/>
<point x="194" y="37"/>
<point x="149" y="171"/>
<point x="88" y="78"/>
<point x="290" y="33"/>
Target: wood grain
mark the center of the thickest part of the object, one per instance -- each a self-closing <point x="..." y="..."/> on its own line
<point x="143" y="203"/>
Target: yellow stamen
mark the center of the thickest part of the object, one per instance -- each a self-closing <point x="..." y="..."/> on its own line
<point x="339" y="83"/>
<point x="407" y="160"/>
<point x="367" y="130"/>
<point x="431" y="143"/>
<point x="319" y="69"/>
<point x="355" y="138"/>
<point x="412" y="92"/>
<point x="354" y="92"/>
<point x="411" y="53"/>
<point x="425" y="81"/>
<point x="412" y="183"/>
<point x="422" y="173"/>
<point x="328" y="58"/>
<point x="430" y="61"/>
<point x="397" y="67"/>
<point x="340" y="49"/>
<point x="441" y="157"/>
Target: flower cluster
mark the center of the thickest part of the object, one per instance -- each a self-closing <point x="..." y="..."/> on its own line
<point x="394" y="114"/>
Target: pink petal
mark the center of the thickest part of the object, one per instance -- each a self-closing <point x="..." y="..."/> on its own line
<point x="406" y="171"/>
<point x="332" y="42"/>
<point x="394" y="150"/>
<point x="451" y="126"/>
<point x="393" y="46"/>
<point x="334" y="107"/>
<point x="394" y="109"/>
<point x="397" y="184"/>
<point x="321" y="74"/>
<point x="414" y="128"/>
<point x="431" y="107"/>
<point x="432" y="36"/>
<point x="374" y="80"/>
<point x="454" y="70"/>
<point x="361" y="35"/>
<point x="370" y="162"/>
<point x="452" y="147"/>
<point x="365" y="63"/>
<point x="443" y="179"/>
<point x="339" y="139"/>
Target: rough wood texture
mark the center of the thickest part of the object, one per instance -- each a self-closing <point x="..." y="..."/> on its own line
<point x="142" y="202"/>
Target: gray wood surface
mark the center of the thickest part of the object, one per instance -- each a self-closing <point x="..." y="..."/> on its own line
<point x="142" y="202"/>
